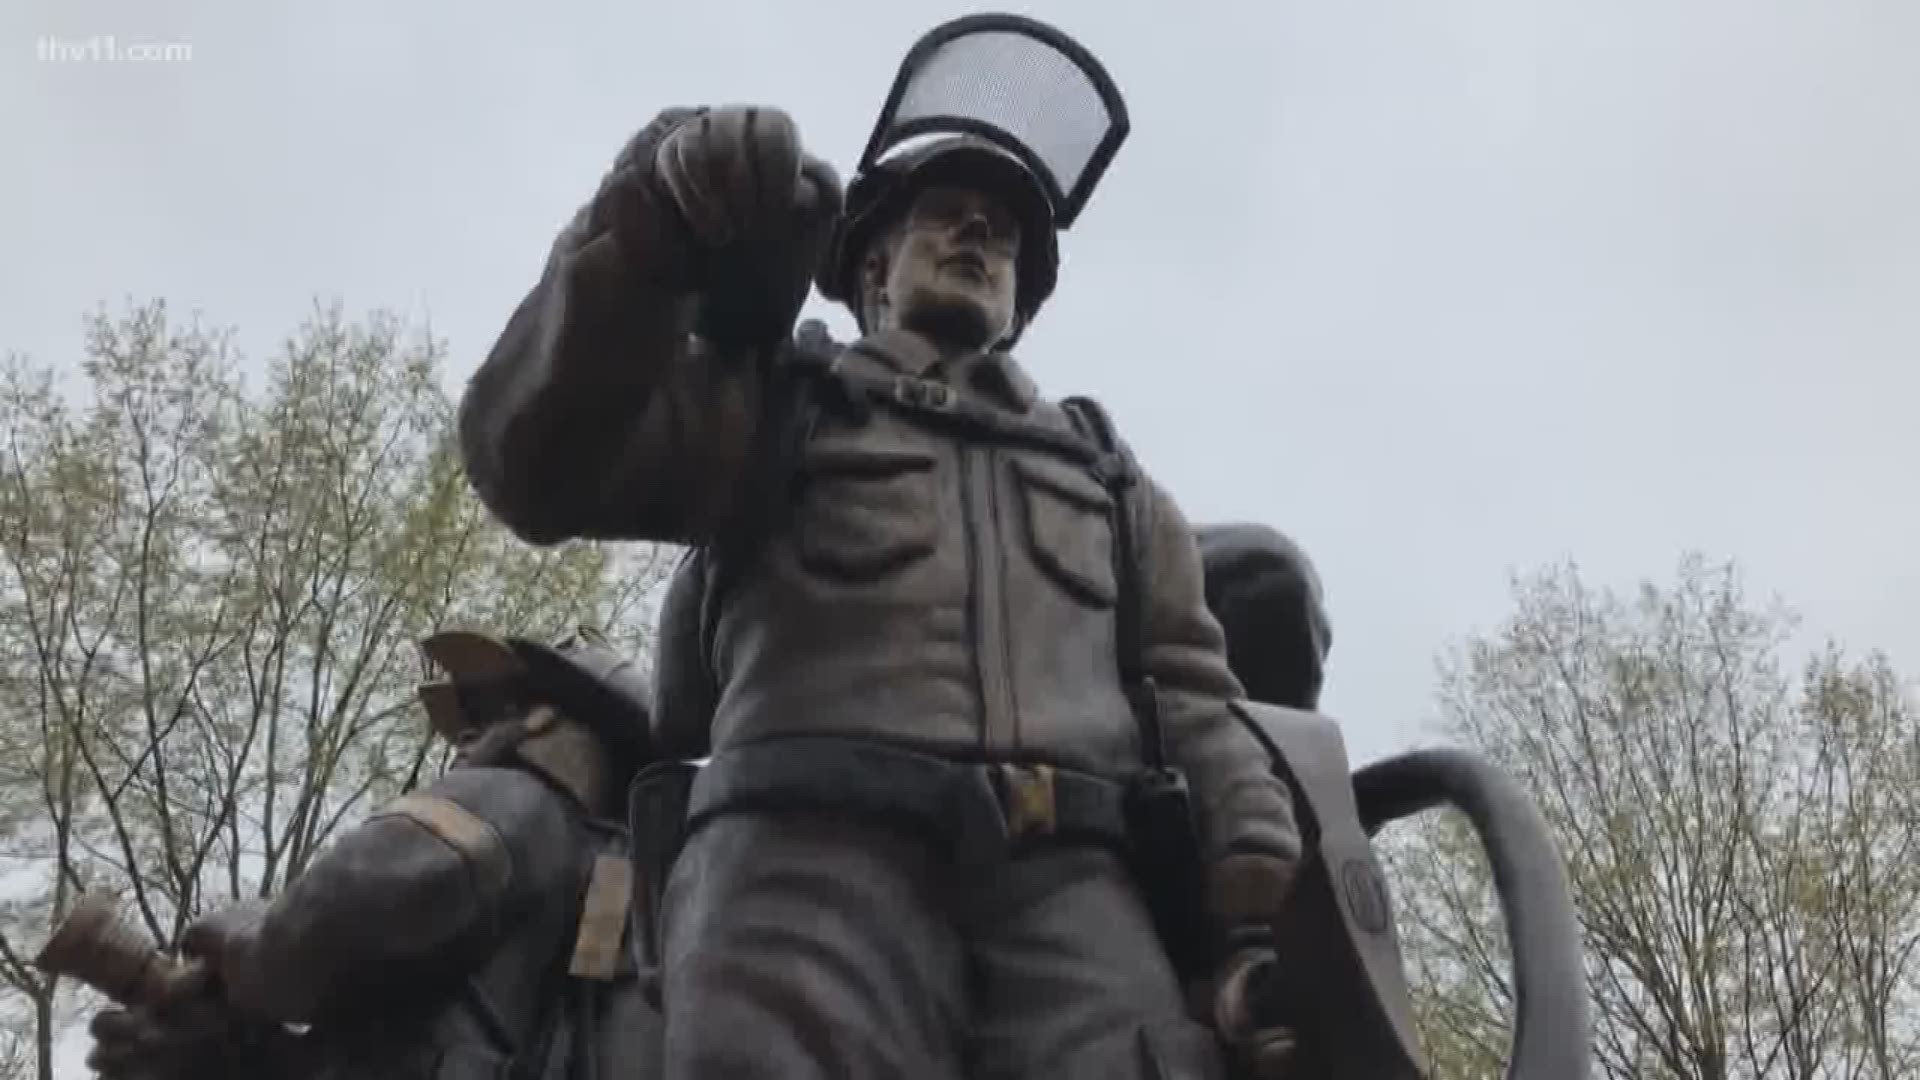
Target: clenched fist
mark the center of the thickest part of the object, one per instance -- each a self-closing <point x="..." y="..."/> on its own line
<point x="183" y="1033"/>
<point x="759" y="208"/>
<point x="733" y="172"/>
<point x="723" y="203"/>
<point x="200" y="1041"/>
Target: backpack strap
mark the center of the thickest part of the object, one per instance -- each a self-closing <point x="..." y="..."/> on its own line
<point x="1161" y="818"/>
<point x="600" y="954"/>
<point x="602" y="925"/>
<point x="1122" y="478"/>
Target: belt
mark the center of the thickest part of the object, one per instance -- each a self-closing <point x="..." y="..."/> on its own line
<point x="978" y="812"/>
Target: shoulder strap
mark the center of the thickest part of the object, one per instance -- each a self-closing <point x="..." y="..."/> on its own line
<point x="601" y="957"/>
<point x="935" y="404"/>
<point x="1129" y="557"/>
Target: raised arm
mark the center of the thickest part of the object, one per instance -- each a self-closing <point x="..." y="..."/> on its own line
<point x="622" y="398"/>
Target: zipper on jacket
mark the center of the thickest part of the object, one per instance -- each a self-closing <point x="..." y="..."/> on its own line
<point x="971" y="528"/>
<point x="1003" y="628"/>
<point x="990" y="618"/>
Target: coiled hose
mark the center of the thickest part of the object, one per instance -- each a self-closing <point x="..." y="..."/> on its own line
<point x="1552" y="1033"/>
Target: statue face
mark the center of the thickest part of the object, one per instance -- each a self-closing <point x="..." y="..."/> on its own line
<point x="950" y="269"/>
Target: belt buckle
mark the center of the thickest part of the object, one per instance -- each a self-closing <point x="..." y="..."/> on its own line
<point x="1027" y="798"/>
<point x="1002" y="805"/>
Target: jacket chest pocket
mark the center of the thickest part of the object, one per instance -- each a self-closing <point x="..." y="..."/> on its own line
<point x="864" y="512"/>
<point x="1067" y="521"/>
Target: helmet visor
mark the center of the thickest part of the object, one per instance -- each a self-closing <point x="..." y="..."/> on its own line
<point x="1022" y="84"/>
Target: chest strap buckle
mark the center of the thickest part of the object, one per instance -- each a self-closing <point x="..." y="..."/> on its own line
<point x="917" y="393"/>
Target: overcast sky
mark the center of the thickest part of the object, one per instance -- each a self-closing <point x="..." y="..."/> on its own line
<point x="1446" y="290"/>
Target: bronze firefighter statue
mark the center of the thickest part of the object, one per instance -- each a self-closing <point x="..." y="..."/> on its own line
<point x="983" y="794"/>
<point x="978" y="803"/>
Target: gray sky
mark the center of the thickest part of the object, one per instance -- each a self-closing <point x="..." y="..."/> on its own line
<point x="1445" y="290"/>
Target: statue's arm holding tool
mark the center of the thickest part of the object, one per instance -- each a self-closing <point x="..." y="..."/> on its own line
<point x="412" y="893"/>
<point x="422" y="887"/>
<point x="623" y="397"/>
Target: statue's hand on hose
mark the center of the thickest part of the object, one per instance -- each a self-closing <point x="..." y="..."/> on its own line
<point x="189" y="1032"/>
<point x="1265" y="1049"/>
<point x="176" y="1036"/>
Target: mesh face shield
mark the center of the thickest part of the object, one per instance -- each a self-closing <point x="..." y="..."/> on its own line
<point x="1019" y="83"/>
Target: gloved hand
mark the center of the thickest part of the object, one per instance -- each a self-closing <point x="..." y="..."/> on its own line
<point x="634" y="207"/>
<point x="723" y="203"/>
<point x="1265" y="1049"/>
<point x="203" y="1042"/>
<point x="137" y="1045"/>
<point x="760" y="209"/>
<point x="1248" y="891"/>
<point x="219" y="940"/>
<point x="216" y="934"/>
<point x="176" y="1035"/>
<point x="732" y="171"/>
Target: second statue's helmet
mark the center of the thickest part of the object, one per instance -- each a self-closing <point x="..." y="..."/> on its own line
<point x="582" y="676"/>
<point x="999" y="103"/>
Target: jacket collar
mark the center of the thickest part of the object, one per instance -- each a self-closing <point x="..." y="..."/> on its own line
<point x="994" y="373"/>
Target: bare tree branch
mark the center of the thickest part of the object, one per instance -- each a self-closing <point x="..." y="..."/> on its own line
<point x="1740" y="846"/>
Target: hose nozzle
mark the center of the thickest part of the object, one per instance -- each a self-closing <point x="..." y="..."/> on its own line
<point x="111" y="954"/>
